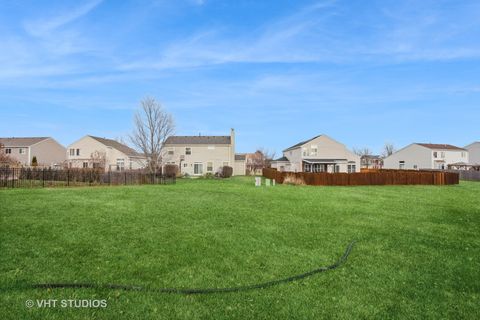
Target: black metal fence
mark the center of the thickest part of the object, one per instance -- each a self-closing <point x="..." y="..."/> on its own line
<point x="35" y="177"/>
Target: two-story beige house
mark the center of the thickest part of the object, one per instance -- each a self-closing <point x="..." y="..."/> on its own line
<point x="47" y="151"/>
<point x="199" y="155"/>
<point x="426" y="156"/>
<point x="96" y="152"/>
<point x="318" y="154"/>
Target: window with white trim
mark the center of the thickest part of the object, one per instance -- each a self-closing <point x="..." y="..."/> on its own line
<point x="401" y="165"/>
<point x="209" y="166"/>
<point x="78" y="152"/>
<point x="72" y="152"/>
<point x="170" y="151"/>
<point x="188" y="150"/>
<point x="21" y="151"/>
<point x="8" y="151"/>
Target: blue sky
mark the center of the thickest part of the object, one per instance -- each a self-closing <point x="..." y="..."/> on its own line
<point x="363" y="72"/>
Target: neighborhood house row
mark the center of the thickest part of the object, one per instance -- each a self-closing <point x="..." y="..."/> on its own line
<point x="199" y="155"/>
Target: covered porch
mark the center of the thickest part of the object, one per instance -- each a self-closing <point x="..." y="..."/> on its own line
<point x="323" y="165"/>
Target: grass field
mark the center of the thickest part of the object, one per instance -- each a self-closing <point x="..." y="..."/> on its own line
<point x="417" y="254"/>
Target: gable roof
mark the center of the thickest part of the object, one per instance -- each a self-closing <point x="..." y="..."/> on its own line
<point x="440" y="146"/>
<point x="117" y="145"/>
<point x="301" y="143"/>
<point x="198" y="140"/>
<point x="21" y="141"/>
<point x="281" y="159"/>
<point x="471" y="144"/>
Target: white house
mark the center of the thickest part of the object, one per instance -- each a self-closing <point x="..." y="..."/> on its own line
<point x="426" y="156"/>
<point x="199" y="155"/>
<point x="96" y="152"/>
<point x="474" y="153"/>
<point x="318" y="154"/>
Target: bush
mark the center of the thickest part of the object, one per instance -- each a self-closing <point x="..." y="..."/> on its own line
<point x="171" y="170"/>
<point x="293" y="180"/>
<point x="227" y="172"/>
<point x="208" y="175"/>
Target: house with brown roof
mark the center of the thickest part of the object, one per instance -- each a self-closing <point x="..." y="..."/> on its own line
<point x="47" y="151"/>
<point x="199" y="155"/>
<point x="426" y="156"/>
<point x="318" y="154"/>
<point x="96" y="152"/>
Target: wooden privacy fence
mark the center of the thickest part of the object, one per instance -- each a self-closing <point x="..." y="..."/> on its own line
<point x="379" y="177"/>
<point x="30" y="178"/>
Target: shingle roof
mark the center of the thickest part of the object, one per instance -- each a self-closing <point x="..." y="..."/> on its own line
<point x="240" y="156"/>
<point x="440" y="146"/>
<point x="301" y="143"/>
<point x="21" y="142"/>
<point x="198" y="140"/>
<point x="281" y="159"/>
<point x="117" y="145"/>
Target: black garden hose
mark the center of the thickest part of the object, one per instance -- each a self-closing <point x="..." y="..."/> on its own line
<point x="263" y="285"/>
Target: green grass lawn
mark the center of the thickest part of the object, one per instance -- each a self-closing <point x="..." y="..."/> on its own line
<point x="417" y="254"/>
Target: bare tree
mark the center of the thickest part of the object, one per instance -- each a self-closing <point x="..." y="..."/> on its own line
<point x="5" y="159"/>
<point x="153" y="125"/>
<point x="388" y="149"/>
<point x="362" y="151"/>
<point x="267" y="158"/>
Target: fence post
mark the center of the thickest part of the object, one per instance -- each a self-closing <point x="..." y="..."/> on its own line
<point x="125" y="177"/>
<point x="43" y="177"/>
<point x="68" y="178"/>
<point x="109" y="177"/>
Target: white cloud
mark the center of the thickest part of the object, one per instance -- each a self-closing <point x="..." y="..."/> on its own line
<point x="42" y="27"/>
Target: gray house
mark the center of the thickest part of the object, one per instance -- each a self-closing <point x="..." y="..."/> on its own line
<point x="198" y="155"/>
<point x="474" y="153"/>
<point x="318" y="154"/>
<point x="426" y="156"/>
<point x="47" y="151"/>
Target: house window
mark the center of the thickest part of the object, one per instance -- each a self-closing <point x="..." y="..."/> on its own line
<point x="78" y="152"/>
<point x="317" y="167"/>
<point x="209" y="166"/>
<point x="72" y="152"/>
<point x="401" y="165"/>
<point x="307" y="167"/>
<point x="313" y="151"/>
<point x="170" y="151"/>
<point x="337" y="168"/>
<point x="463" y="154"/>
<point x="96" y="165"/>
<point x="120" y="164"/>
<point x="21" y="151"/>
<point x="415" y="166"/>
<point x="442" y="154"/>
<point x="188" y="150"/>
<point x="85" y="164"/>
<point x="198" y="168"/>
<point x="185" y="165"/>
<point x="305" y="152"/>
<point x="435" y="154"/>
<point x="8" y="151"/>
